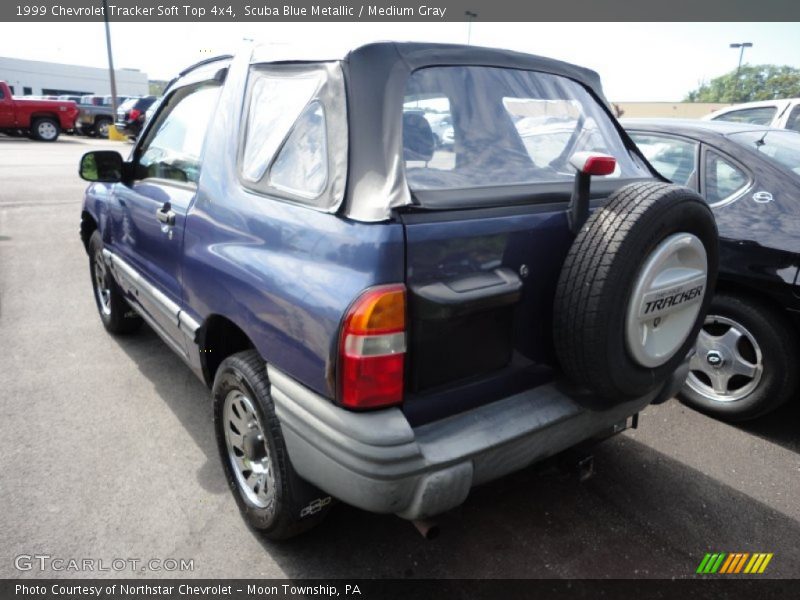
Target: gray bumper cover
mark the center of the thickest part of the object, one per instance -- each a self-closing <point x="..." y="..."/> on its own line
<point x="376" y="461"/>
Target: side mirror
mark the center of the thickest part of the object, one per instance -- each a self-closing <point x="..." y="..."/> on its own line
<point x="102" y="165"/>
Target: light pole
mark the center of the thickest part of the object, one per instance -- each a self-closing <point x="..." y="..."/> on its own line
<point x="110" y="61"/>
<point x="741" y="46"/>
<point x="470" y="15"/>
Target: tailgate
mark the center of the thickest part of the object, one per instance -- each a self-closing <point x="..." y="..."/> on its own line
<point x="481" y="288"/>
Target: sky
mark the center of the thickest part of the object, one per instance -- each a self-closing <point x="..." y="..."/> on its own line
<point x="637" y="61"/>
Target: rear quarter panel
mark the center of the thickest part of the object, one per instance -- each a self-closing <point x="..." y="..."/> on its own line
<point x="285" y="274"/>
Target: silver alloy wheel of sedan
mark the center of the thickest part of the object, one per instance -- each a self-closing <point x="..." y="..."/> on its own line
<point x="248" y="451"/>
<point x="719" y="371"/>
<point x="46" y="130"/>
<point x="102" y="289"/>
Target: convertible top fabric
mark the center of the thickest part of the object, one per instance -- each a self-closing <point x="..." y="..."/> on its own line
<point x="376" y="77"/>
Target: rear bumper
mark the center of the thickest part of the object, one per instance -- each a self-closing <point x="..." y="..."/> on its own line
<point x="377" y="462"/>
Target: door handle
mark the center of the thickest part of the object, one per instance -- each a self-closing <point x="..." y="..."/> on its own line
<point x="165" y="215"/>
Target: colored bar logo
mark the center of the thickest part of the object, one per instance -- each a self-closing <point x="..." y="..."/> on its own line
<point x="733" y="563"/>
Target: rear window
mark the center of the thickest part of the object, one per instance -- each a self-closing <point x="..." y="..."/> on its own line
<point x="781" y="147"/>
<point x="467" y="127"/>
<point x="761" y="115"/>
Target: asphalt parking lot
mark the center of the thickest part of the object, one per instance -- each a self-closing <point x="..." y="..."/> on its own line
<point x="107" y="451"/>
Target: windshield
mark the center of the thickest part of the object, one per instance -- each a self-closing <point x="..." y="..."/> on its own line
<point x="466" y="127"/>
<point x="781" y="147"/>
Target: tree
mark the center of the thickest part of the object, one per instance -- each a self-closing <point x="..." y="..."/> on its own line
<point x="756" y="82"/>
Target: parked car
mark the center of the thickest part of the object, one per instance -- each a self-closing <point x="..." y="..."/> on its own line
<point x="377" y="324"/>
<point x="94" y="100"/>
<point x="41" y="120"/>
<point x="131" y="115"/>
<point x="97" y="114"/>
<point x="783" y="114"/>
<point x="747" y="354"/>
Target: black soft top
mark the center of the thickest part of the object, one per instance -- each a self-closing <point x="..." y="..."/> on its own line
<point x="385" y="57"/>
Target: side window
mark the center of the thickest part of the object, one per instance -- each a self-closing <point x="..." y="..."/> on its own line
<point x="293" y="144"/>
<point x="722" y="178"/>
<point x="674" y="158"/>
<point x="793" y="121"/>
<point x="2" y="94"/>
<point x="302" y="165"/>
<point x="173" y="146"/>
<point x="275" y="104"/>
<point x="762" y="115"/>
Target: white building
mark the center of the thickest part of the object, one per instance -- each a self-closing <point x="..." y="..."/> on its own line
<point x="27" y="77"/>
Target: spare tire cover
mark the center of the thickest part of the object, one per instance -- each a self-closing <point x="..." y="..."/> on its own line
<point x="634" y="289"/>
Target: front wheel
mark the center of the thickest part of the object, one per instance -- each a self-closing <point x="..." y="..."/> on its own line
<point x="272" y="498"/>
<point x="745" y="364"/>
<point x="115" y="312"/>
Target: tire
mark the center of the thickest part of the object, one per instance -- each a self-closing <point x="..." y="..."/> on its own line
<point x="741" y="332"/>
<point x="101" y="128"/>
<point x="115" y="312"/>
<point x="277" y="503"/>
<point x="45" y="129"/>
<point x="614" y="333"/>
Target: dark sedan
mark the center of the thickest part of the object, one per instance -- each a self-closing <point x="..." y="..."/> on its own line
<point x="131" y="115"/>
<point x="749" y="349"/>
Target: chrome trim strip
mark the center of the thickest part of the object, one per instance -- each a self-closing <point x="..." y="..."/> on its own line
<point x="160" y="300"/>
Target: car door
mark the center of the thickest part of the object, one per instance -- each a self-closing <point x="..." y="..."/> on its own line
<point x="149" y="224"/>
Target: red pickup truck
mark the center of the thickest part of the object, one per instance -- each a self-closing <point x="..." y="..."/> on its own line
<point x="42" y="120"/>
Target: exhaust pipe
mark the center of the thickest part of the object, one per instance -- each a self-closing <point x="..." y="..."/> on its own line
<point x="427" y="529"/>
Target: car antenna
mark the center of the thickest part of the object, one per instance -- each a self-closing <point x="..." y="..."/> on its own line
<point x="761" y="141"/>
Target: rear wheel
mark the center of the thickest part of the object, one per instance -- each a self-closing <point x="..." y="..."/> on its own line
<point x="745" y="363"/>
<point x="101" y="127"/>
<point x="45" y="129"/>
<point x="271" y="496"/>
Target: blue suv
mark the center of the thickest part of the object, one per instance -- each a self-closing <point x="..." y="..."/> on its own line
<point x="384" y="320"/>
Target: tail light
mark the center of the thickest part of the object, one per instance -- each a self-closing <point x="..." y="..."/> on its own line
<point x="134" y="114"/>
<point x="372" y="349"/>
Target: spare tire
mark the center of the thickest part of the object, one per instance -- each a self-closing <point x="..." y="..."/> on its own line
<point x="634" y="289"/>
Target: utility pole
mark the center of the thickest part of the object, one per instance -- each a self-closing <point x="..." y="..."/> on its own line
<point x="470" y="15"/>
<point x="111" y="74"/>
<point x="741" y="46"/>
